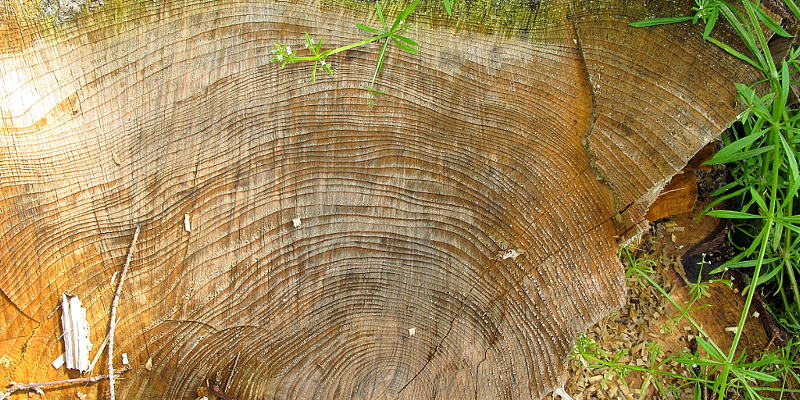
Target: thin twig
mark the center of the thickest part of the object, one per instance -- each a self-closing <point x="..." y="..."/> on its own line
<point x="114" y="302"/>
<point x="37" y="387"/>
<point x="233" y="371"/>
<point x="99" y="353"/>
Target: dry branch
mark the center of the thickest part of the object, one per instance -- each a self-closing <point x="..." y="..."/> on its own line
<point x="37" y="387"/>
<point x="114" y="302"/>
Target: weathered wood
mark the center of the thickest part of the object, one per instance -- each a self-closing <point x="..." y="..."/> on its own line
<point x="549" y="136"/>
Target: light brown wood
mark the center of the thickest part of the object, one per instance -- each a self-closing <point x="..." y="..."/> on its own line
<point x="549" y="136"/>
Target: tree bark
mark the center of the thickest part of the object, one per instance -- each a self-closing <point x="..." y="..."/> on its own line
<point x="480" y="203"/>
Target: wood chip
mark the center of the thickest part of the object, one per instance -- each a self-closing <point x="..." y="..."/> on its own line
<point x="115" y="157"/>
<point x="58" y="362"/>
<point x="149" y="364"/>
<point x="511" y="253"/>
<point x="412" y="331"/>
<point x="297" y="222"/>
<point x="187" y="225"/>
<point x="124" y="358"/>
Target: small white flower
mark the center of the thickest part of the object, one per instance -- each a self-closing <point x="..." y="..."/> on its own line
<point x="289" y="50"/>
<point x="279" y="57"/>
<point x="305" y="44"/>
<point x="323" y="62"/>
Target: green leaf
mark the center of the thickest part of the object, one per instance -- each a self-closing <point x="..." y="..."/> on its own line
<point x="448" y="6"/>
<point x="791" y="227"/>
<point x="791" y="158"/>
<point x="658" y="21"/>
<point x="793" y="6"/>
<point x="730" y="214"/>
<point x="373" y="90"/>
<point x="760" y="200"/>
<point x="379" y="11"/>
<point x="710" y="23"/>
<point x="733" y="52"/>
<point x="406" y="40"/>
<point x="309" y="42"/>
<point x="784" y="97"/>
<point x="758" y="375"/>
<point x="745" y="35"/>
<point x="743" y="155"/>
<point x="403" y="14"/>
<point x="404" y="47"/>
<point x="728" y="153"/>
<point x="770" y="23"/>
<point x="368" y="29"/>
<point x="711" y="350"/>
<point x="741" y="264"/>
<point x="769" y="275"/>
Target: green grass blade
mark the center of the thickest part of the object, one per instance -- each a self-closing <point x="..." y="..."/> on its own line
<point x="658" y="21"/>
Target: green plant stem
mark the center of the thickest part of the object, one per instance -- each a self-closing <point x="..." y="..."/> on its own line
<point x="602" y="363"/>
<point x="380" y="63"/>
<point x="684" y="313"/>
<point x="757" y="271"/>
<point x="765" y="55"/>
<point x="328" y="53"/>
<point x="790" y="269"/>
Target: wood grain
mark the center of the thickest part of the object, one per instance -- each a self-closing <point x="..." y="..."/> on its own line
<point x="529" y="138"/>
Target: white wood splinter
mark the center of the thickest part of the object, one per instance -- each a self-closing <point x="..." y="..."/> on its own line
<point x="76" y="333"/>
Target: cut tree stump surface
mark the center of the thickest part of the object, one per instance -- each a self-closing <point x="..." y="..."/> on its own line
<point x="549" y="136"/>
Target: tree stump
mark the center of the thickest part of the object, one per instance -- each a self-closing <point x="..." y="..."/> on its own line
<point x="448" y="242"/>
